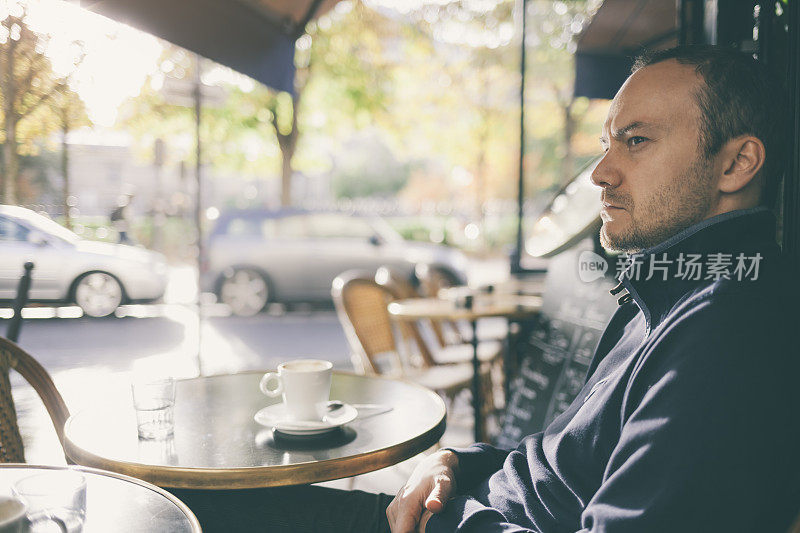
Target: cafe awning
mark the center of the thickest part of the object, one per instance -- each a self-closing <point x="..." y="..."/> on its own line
<point x="619" y="30"/>
<point x="254" y="37"/>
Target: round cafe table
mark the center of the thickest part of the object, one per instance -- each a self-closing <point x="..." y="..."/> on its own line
<point x="115" y="502"/>
<point x="218" y="445"/>
<point x="510" y="306"/>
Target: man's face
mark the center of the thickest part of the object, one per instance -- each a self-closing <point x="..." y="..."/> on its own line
<point x="655" y="179"/>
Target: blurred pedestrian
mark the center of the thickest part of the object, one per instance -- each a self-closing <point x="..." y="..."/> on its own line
<point x="120" y="219"/>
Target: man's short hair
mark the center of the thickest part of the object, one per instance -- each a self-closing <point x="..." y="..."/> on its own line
<point x="740" y="97"/>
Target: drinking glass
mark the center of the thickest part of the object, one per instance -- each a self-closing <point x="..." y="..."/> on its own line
<point x="55" y="501"/>
<point x="154" y="401"/>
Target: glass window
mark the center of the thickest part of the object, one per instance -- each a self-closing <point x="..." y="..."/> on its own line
<point x="11" y="231"/>
<point x="269" y="228"/>
<point x="243" y="227"/>
<point x="331" y="226"/>
<point x="50" y="227"/>
<point x="293" y="227"/>
<point x="571" y="214"/>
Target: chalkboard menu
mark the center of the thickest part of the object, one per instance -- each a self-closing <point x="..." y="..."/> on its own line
<point x="559" y="344"/>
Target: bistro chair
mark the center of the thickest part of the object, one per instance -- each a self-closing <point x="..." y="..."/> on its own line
<point x="361" y="305"/>
<point x="432" y="279"/>
<point x="12" y="356"/>
<point x="437" y="350"/>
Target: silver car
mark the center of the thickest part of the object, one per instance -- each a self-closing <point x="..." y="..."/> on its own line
<point x="98" y="276"/>
<point x="257" y="256"/>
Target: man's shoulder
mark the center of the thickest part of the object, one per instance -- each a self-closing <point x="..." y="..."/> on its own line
<point x="773" y="295"/>
<point x="729" y="337"/>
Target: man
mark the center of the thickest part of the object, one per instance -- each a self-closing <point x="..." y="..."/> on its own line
<point x="688" y="420"/>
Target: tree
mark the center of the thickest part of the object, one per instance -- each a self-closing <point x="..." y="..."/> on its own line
<point x="70" y="112"/>
<point x="282" y="110"/>
<point x="340" y="71"/>
<point x="551" y="44"/>
<point x="27" y="84"/>
<point x="344" y="52"/>
<point x="464" y="72"/>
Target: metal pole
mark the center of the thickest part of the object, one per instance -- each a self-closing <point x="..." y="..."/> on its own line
<point x="515" y="261"/>
<point x="23" y="288"/>
<point x="198" y="208"/>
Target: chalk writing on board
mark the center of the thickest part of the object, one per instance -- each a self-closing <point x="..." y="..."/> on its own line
<point x="558" y="349"/>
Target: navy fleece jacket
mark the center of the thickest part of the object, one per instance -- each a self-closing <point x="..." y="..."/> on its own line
<point x="688" y="421"/>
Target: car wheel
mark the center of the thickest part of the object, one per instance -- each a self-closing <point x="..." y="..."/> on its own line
<point x="98" y="294"/>
<point x="245" y="291"/>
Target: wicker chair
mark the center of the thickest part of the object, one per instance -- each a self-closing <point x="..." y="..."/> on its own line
<point x="438" y="351"/>
<point x="376" y="348"/>
<point x="12" y="356"/>
<point x="432" y="279"/>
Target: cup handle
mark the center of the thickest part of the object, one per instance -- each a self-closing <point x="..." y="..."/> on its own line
<point x="265" y="382"/>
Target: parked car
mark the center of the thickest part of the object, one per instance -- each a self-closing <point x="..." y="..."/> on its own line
<point x="258" y="256"/>
<point x="97" y="276"/>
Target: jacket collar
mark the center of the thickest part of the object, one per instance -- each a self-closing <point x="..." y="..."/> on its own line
<point x="731" y="246"/>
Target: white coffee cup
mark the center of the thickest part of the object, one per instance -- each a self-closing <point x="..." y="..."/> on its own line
<point x="305" y="385"/>
<point x="12" y="515"/>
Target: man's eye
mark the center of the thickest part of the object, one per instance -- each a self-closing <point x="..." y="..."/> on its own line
<point x="634" y="141"/>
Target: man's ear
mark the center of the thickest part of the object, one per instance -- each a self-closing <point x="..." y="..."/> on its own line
<point x="742" y="158"/>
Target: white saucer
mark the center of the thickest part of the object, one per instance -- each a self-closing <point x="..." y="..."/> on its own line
<point x="275" y="417"/>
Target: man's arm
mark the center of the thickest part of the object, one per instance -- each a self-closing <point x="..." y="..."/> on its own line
<point x="435" y="479"/>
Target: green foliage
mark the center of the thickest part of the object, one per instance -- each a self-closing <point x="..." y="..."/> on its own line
<point x="439" y="82"/>
<point x="362" y="184"/>
<point x="551" y="41"/>
<point x="35" y="102"/>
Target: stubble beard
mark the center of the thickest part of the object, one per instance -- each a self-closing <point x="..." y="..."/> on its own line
<point x="674" y="207"/>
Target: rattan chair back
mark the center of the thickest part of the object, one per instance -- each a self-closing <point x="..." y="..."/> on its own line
<point x="431" y="280"/>
<point x="12" y="356"/>
<point x="400" y="287"/>
<point x="361" y="307"/>
<point x="395" y="282"/>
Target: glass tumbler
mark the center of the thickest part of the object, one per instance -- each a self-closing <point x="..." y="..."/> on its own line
<point x="55" y="501"/>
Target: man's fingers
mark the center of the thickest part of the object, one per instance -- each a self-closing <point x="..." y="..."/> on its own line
<point x="405" y="524"/>
<point x="402" y="516"/>
<point x="439" y="494"/>
<point x="434" y="505"/>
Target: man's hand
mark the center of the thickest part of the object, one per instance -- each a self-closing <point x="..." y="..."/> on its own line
<point x="423" y="521"/>
<point x="428" y="489"/>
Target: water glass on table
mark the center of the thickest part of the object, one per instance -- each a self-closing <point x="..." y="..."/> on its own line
<point x="13" y="518"/>
<point x="154" y="401"/>
<point x="54" y="501"/>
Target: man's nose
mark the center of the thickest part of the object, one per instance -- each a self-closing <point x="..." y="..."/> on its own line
<point x="606" y="174"/>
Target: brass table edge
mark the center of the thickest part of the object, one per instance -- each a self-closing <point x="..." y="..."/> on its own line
<point x="259" y="476"/>
<point x="195" y="524"/>
<point x="396" y="311"/>
<point x="254" y="476"/>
